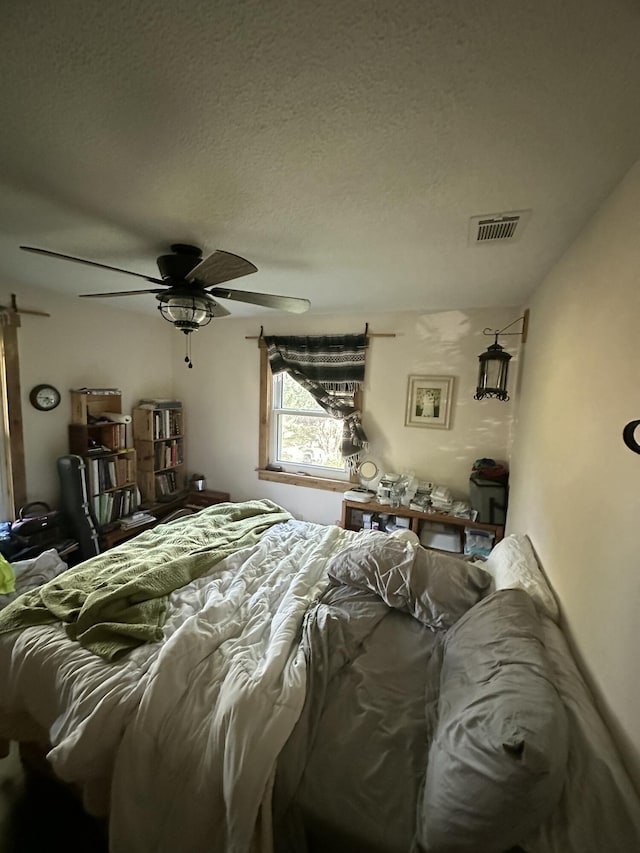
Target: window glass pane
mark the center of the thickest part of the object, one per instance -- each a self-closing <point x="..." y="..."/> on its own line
<point x="294" y="396"/>
<point x="311" y="441"/>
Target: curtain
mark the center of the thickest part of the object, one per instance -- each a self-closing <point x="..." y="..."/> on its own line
<point x="331" y="368"/>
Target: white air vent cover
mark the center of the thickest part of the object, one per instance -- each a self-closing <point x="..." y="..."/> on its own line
<point x="497" y="227"/>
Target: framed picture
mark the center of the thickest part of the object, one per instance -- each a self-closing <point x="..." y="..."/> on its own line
<point x="429" y="401"/>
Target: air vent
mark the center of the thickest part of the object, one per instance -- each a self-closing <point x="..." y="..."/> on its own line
<point x="497" y="227"/>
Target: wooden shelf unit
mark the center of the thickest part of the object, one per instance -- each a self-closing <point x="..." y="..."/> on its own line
<point x="110" y="463"/>
<point x="416" y="519"/>
<point x="158" y="435"/>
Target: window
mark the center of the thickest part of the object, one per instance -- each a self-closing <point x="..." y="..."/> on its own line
<point x="303" y="436"/>
<point x="297" y="437"/>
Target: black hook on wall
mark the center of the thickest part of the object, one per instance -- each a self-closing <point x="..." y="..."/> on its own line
<point x="628" y="436"/>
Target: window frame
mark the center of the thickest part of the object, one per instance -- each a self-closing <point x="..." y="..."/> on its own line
<point x="310" y="480"/>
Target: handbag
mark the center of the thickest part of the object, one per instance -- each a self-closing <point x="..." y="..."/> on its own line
<point x="38" y="525"/>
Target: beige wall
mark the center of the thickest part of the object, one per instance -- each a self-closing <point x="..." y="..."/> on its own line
<point x="221" y="401"/>
<point x="82" y="344"/>
<point x="88" y="344"/>
<point x="574" y="484"/>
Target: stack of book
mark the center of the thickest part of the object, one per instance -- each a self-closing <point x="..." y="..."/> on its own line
<point x="109" y="506"/>
<point x="160" y="403"/>
<point x="101" y="392"/>
<point x="166" y="483"/>
<point x="137" y="519"/>
<point x="111" y="472"/>
<point x="168" y="454"/>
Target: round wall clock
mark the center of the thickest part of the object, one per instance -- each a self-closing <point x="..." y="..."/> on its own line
<point x="44" y="397"/>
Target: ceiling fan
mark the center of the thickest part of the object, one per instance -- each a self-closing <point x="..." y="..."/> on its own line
<point x="185" y="276"/>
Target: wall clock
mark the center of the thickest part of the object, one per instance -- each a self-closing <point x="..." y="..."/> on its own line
<point x="44" y="397"/>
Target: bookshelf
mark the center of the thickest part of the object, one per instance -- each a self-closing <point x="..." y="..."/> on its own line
<point x="158" y="433"/>
<point x="352" y="519"/>
<point x="98" y="432"/>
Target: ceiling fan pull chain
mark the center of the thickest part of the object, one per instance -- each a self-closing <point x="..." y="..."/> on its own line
<point x="187" y="357"/>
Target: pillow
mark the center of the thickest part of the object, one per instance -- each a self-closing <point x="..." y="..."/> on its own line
<point x="514" y="566"/>
<point x="497" y="762"/>
<point x="434" y="588"/>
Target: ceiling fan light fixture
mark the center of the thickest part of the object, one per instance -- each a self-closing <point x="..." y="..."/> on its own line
<point x="187" y="312"/>
<point x="186" y="304"/>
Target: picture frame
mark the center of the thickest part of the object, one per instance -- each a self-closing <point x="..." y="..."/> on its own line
<point x="429" y="401"/>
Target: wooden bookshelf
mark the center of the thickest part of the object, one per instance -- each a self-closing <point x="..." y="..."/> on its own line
<point x="158" y="433"/>
<point x="110" y="462"/>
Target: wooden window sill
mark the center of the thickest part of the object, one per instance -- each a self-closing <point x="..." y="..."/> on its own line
<point x="307" y="480"/>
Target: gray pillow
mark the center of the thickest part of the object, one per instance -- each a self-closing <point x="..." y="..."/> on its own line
<point x="433" y="587"/>
<point x="497" y="763"/>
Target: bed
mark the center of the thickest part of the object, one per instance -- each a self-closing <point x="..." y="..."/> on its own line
<point x="237" y="680"/>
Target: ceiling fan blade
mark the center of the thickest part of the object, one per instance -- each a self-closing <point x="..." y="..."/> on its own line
<point x="269" y="300"/>
<point x="221" y="266"/>
<point x="89" y="263"/>
<point x="219" y="310"/>
<point x="117" y="293"/>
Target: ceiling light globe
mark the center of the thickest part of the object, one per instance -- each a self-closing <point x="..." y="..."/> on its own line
<point x="186" y="312"/>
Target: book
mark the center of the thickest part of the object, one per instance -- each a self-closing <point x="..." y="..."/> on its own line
<point x="94" y="478"/>
<point x="135" y="521"/>
<point x="101" y="391"/>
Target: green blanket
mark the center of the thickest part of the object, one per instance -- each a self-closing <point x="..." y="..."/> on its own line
<point x="117" y="600"/>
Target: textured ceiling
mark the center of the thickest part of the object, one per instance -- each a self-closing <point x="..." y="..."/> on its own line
<point x="341" y="146"/>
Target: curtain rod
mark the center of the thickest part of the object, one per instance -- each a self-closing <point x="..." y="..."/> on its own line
<point x="366" y="331"/>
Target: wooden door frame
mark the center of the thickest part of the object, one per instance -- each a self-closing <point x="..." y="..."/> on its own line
<point x="12" y="412"/>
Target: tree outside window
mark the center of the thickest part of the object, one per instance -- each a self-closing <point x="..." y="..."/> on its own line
<point x="304" y="435"/>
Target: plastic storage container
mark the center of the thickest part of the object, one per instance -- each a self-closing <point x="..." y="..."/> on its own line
<point x="434" y="534"/>
<point x="478" y="543"/>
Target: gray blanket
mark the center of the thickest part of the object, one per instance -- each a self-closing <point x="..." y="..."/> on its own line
<point x="333" y="788"/>
<point x="381" y="669"/>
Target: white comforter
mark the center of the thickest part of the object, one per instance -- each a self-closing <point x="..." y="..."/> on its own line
<point x="189" y="729"/>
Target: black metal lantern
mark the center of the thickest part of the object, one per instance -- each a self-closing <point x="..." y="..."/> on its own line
<point x="188" y="312"/>
<point x="494" y="363"/>
<point x="492" y="373"/>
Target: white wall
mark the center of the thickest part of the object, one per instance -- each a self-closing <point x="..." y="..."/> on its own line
<point x="83" y="343"/>
<point x="574" y="484"/>
<point x="221" y="401"/>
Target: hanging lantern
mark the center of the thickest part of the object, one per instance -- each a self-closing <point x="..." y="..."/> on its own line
<point x="494" y="363"/>
<point x="492" y="373"/>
